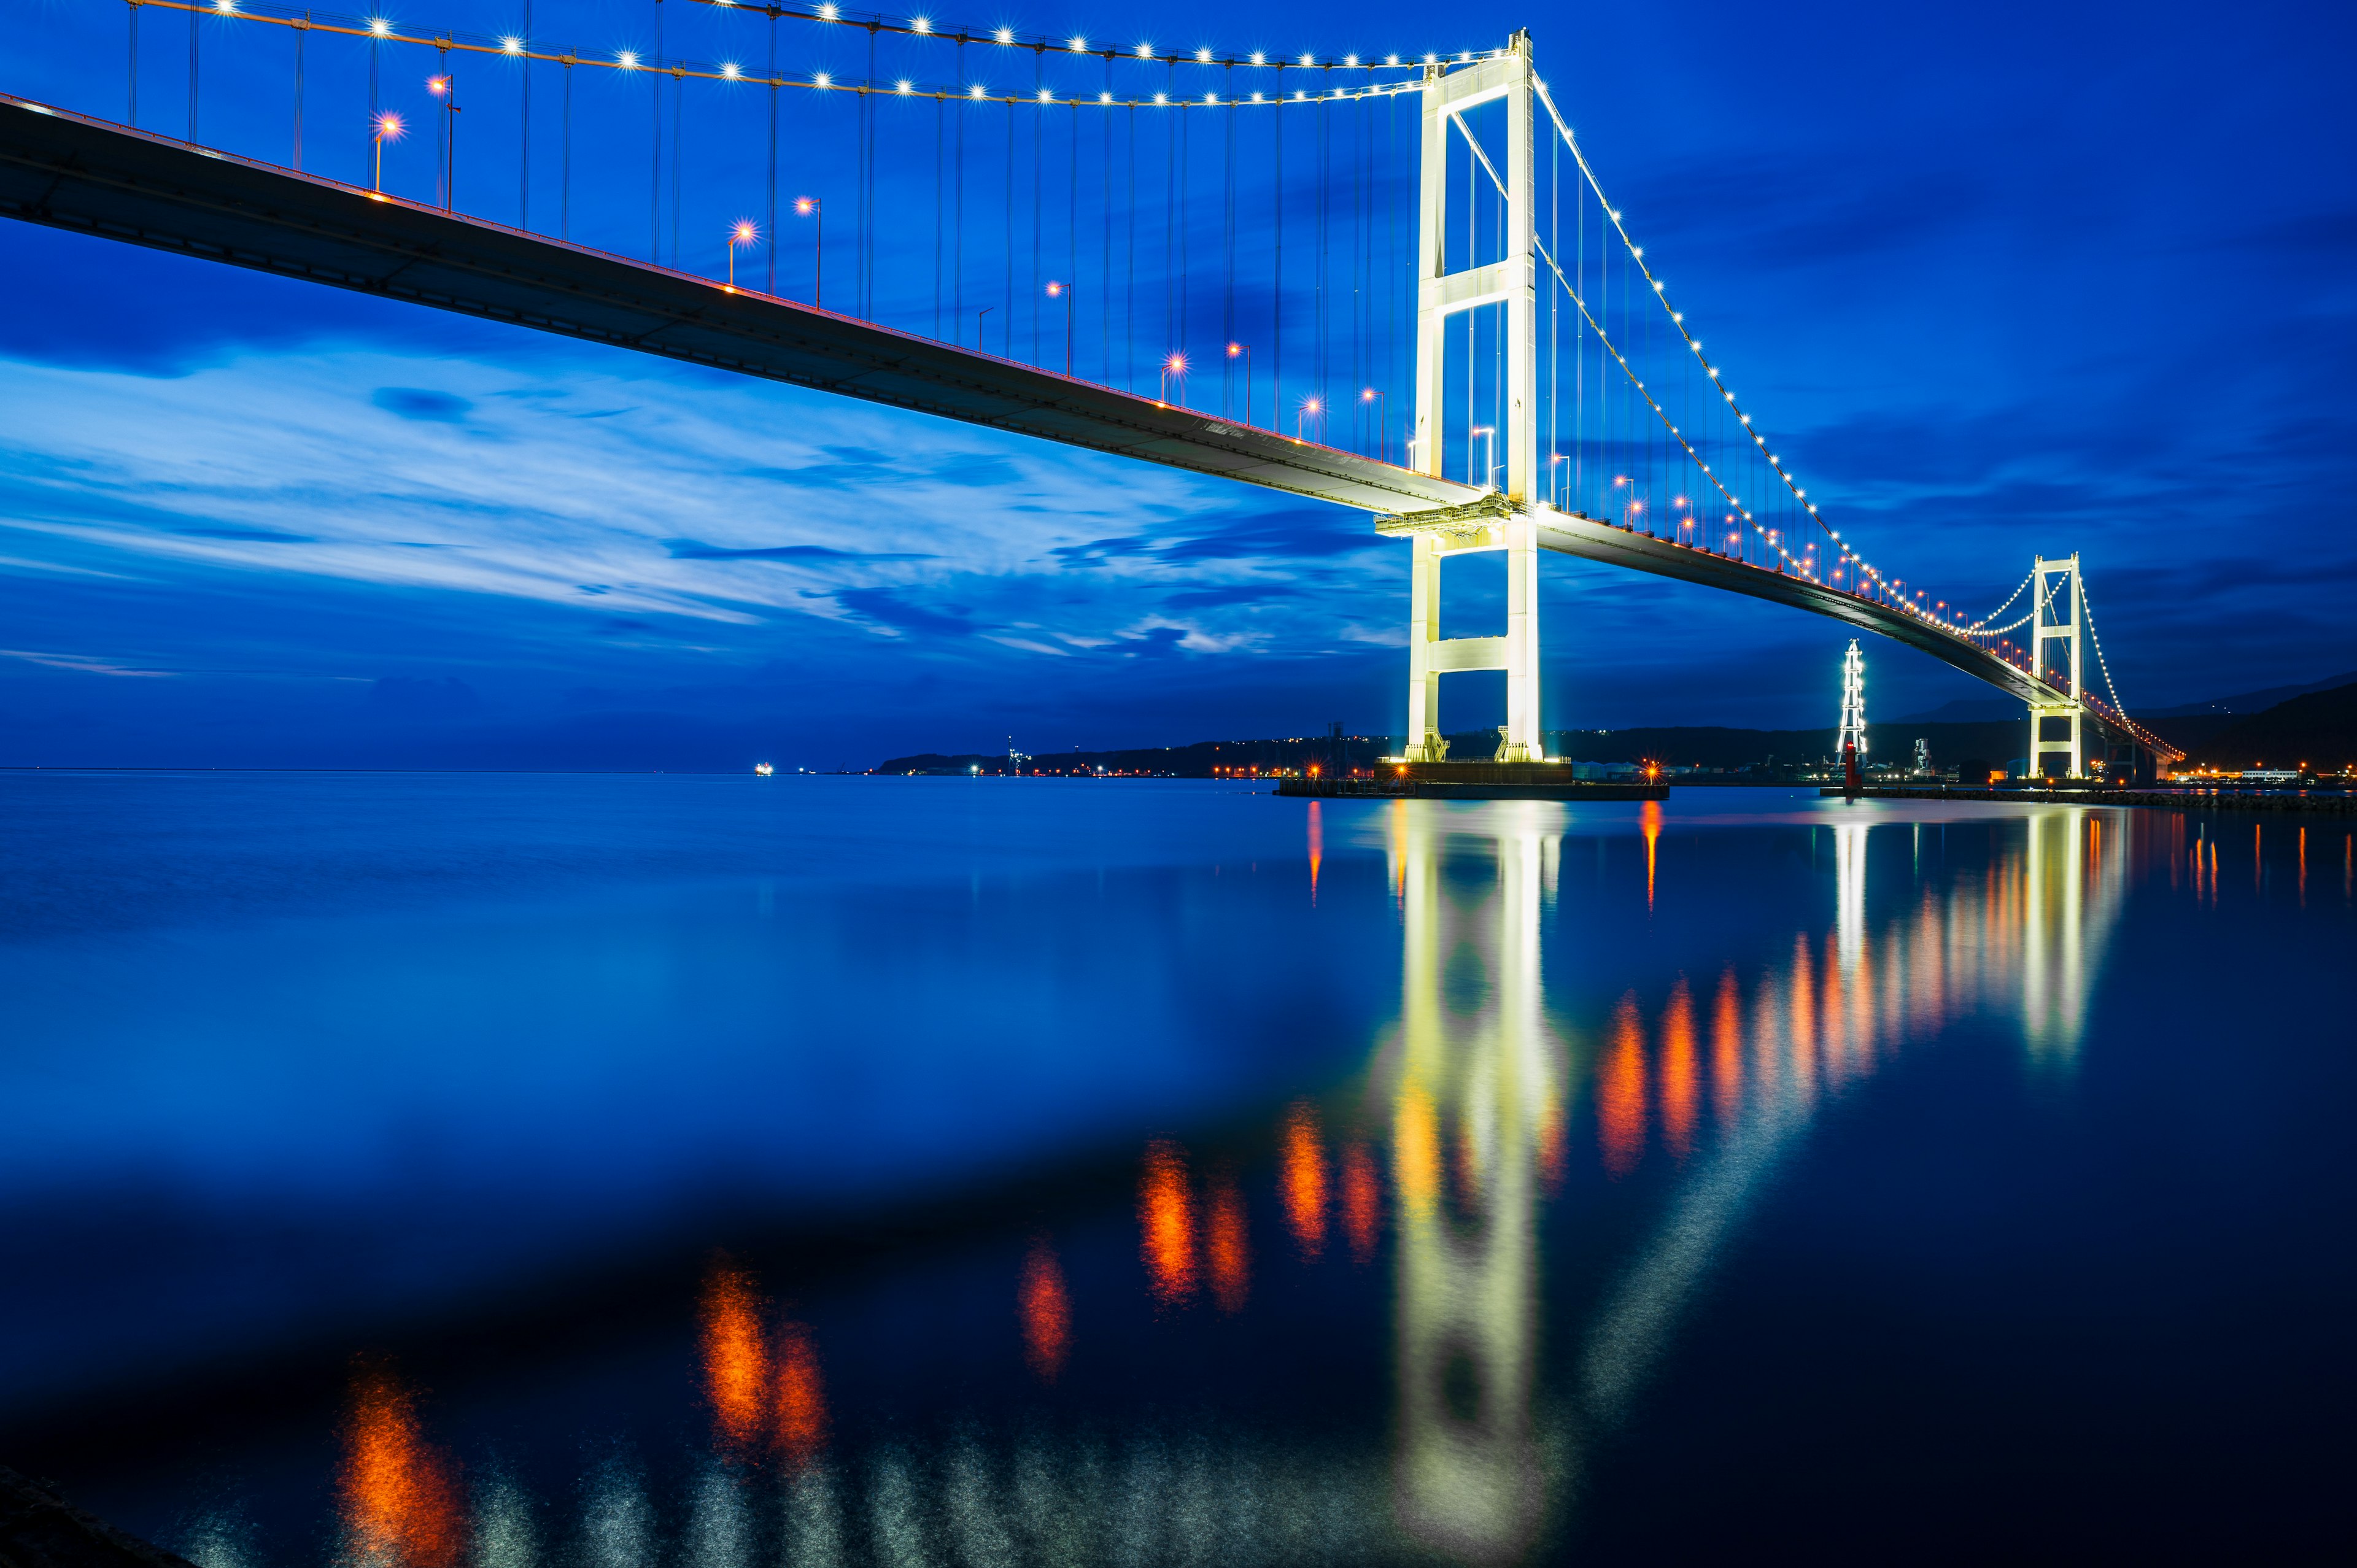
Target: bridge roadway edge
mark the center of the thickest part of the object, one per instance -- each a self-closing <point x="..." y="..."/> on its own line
<point x="73" y="172"/>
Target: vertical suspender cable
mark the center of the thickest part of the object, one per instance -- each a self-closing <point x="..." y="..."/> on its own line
<point x="194" y="17"/>
<point x="678" y="155"/>
<point x="1325" y="164"/>
<point x="1169" y="218"/>
<point x="131" y="76"/>
<point x="1361" y="361"/>
<point x="1129" y="291"/>
<point x="1007" y="280"/>
<point x="300" y="35"/>
<point x="1228" y="254"/>
<point x="654" y="163"/>
<point x="1038" y="160"/>
<point x="868" y="185"/>
<point x="565" y="161"/>
<point x="523" y="119"/>
<point x="1186" y="179"/>
<point x="772" y="287"/>
<point x="957" y="215"/>
<point x="1276" y="293"/>
<point x="1072" y="223"/>
<point x="941" y="149"/>
<point x="1104" y="269"/>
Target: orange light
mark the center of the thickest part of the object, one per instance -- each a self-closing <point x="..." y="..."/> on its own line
<point x="1047" y="1312"/>
<point x="802" y="1397"/>
<point x="400" y="1497"/>
<point x="736" y="1368"/>
<point x="1166" y="1223"/>
<point x="1621" y="1093"/>
<point x="1228" y="1245"/>
<point x="1680" y="1075"/>
<point x="1361" y="1201"/>
<point x="1303" y="1165"/>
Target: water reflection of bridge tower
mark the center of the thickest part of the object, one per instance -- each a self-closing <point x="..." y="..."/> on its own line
<point x="1473" y="1083"/>
<point x="2075" y="875"/>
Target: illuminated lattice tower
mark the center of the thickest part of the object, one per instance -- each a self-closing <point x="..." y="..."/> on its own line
<point x="1853" y="713"/>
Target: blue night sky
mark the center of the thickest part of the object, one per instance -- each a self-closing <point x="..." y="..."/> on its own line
<point x="2001" y="279"/>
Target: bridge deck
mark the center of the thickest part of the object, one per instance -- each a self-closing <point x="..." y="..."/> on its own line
<point x="71" y="171"/>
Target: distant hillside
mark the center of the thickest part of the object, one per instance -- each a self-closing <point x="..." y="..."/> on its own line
<point x="2319" y="729"/>
<point x="1685" y="747"/>
<point x="2252" y="703"/>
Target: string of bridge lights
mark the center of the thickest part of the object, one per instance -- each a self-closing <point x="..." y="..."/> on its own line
<point x="926" y="27"/>
<point x="1982" y="622"/>
<point x="2088" y="609"/>
<point x="1847" y="553"/>
<point x="512" y="46"/>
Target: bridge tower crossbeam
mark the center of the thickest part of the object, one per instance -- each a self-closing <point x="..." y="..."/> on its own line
<point x="1512" y="280"/>
<point x="2057" y="618"/>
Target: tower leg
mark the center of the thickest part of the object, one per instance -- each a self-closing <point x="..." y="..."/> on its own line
<point x="1523" y="743"/>
<point x="1423" y="742"/>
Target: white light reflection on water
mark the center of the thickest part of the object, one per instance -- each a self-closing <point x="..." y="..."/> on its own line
<point x="1469" y="1108"/>
<point x="1475" y="1076"/>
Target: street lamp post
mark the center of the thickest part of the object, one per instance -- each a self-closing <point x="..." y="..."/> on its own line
<point x="1489" y="449"/>
<point x="808" y="207"/>
<point x="1064" y="289"/>
<point x="1383" y="441"/>
<point x="1244" y="352"/>
<point x="1311" y="408"/>
<point x="1176" y="365"/>
<point x="388" y="129"/>
<point x="446" y="88"/>
<point x="744" y="232"/>
<point x="1555" y="497"/>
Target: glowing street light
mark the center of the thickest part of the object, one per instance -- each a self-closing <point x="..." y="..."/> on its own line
<point x="1312" y="407"/>
<point x="1065" y="290"/>
<point x="1489" y="450"/>
<point x="388" y="129"/>
<point x="1174" y="367"/>
<point x="1382" y="438"/>
<point x="744" y="232"/>
<point x="446" y="88"/>
<point x="1243" y="352"/>
<point x="808" y="207"/>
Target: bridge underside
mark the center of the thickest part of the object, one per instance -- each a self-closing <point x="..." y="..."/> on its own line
<point x="72" y="172"/>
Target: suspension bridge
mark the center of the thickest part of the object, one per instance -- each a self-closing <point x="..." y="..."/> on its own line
<point x="1390" y="282"/>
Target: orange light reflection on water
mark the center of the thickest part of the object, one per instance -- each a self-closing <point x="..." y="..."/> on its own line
<point x="1166" y="1219"/>
<point x="1317" y="849"/>
<point x="735" y="1364"/>
<point x="399" y="1494"/>
<point x="801" y="1427"/>
<point x="1227" y="1244"/>
<point x="1620" y="1092"/>
<point x="1726" y="1051"/>
<point x="1046" y="1309"/>
<point x="1302" y="1174"/>
<point x="1681" y="1072"/>
<point x="1363" y="1203"/>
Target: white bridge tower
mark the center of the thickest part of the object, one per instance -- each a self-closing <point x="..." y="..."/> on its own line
<point x="1505" y="523"/>
<point x="2055" y="618"/>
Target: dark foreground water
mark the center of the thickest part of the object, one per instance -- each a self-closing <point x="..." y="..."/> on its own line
<point x="607" y="1172"/>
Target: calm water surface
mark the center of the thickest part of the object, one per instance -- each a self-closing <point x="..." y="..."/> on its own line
<point x="419" y="1172"/>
